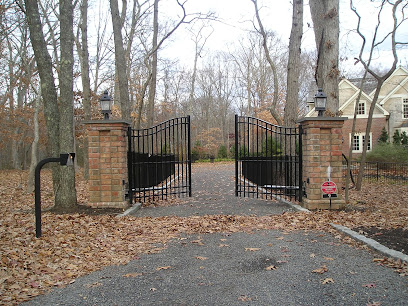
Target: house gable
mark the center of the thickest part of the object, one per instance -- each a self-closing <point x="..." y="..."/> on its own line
<point x="350" y="92"/>
<point x="397" y="81"/>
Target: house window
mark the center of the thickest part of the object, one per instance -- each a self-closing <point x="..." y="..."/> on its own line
<point x="369" y="142"/>
<point x="361" y="108"/>
<point x="358" y="143"/>
<point x="405" y="108"/>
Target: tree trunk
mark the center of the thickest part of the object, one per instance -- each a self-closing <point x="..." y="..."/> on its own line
<point x="153" y="80"/>
<point x="120" y="61"/>
<point x="66" y="197"/>
<point x="292" y="93"/>
<point x="48" y="90"/>
<point x="353" y="130"/>
<point x="34" y="147"/>
<point x="325" y="16"/>
<point x="193" y="80"/>
<point x="84" y="60"/>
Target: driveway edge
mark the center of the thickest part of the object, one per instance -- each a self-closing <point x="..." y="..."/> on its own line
<point x="371" y="243"/>
<point x="294" y="206"/>
<point x="130" y="210"/>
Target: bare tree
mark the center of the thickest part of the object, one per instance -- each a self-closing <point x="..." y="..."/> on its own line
<point x="83" y="54"/>
<point x="153" y="73"/>
<point x="183" y="19"/>
<point x="66" y="197"/>
<point x="120" y="58"/>
<point x="261" y="30"/>
<point x="59" y="121"/>
<point x="375" y="43"/>
<point x="48" y="90"/>
<point x="103" y="51"/>
<point x="325" y="16"/>
<point x="199" y="40"/>
<point x="48" y="9"/>
<point x="292" y="89"/>
<point x="34" y="147"/>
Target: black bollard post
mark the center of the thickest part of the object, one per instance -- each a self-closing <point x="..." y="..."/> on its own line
<point x="66" y="159"/>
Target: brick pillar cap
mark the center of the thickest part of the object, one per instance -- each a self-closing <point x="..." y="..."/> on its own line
<point x="305" y="119"/>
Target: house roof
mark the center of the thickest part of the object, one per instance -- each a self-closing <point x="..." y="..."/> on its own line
<point x="369" y="85"/>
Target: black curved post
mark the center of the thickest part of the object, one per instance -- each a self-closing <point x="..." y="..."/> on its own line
<point x="64" y="159"/>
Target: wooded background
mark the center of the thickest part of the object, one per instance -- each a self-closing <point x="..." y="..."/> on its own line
<point x="212" y="89"/>
<point x="55" y="64"/>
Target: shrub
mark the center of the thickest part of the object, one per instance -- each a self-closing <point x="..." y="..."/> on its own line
<point x="397" y="137"/>
<point x="404" y="138"/>
<point x="242" y="153"/>
<point x="232" y="151"/>
<point x="384" y="136"/>
<point x="197" y="152"/>
<point x="386" y="152"/>
<point x="165" y="149"/>
<point x="271" y="146"/>
<point x="222" y="152"/>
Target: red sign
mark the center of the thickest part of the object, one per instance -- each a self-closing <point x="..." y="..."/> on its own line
<point x="329" y="187"/>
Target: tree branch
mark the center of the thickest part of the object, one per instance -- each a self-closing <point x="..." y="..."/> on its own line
<point x="261" y="30"/>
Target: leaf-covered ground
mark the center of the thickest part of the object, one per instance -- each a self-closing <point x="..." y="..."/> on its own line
<point x="77" y="244"/>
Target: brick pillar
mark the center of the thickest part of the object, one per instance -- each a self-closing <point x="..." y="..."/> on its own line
<point x="322" y="147"/>
<point x="107" y="163"/>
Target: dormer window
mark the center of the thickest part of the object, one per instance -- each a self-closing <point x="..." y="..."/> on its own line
<point x="361" y="108"/>
<point x="405" y="108"/>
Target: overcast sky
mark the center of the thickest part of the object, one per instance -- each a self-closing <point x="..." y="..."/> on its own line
<point x="237" y="16"/>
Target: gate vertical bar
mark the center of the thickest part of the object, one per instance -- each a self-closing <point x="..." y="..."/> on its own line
<point x="189" y="155"/>
<point x="300" y="163"/>
<point x="236" y="155"/>
<point x="256" y="130"/>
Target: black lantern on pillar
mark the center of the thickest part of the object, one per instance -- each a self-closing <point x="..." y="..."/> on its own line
<point x="320" y="100"/>
<point x="106" y="105"/>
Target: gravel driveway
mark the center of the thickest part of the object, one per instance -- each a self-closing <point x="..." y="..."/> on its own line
<point x="261" y="268"/>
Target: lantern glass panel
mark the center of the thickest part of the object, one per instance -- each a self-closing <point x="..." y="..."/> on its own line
<point x="105" y="105"/>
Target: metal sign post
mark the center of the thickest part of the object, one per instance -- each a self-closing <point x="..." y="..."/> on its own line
<point x="329" y="188"/>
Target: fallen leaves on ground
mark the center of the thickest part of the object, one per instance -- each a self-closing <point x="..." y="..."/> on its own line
<point x="244" y="298"/>
<point x="73" y="245"/>
<point x="327" y="281"/>
<point x="132" y="274"/>
<point x="399" y="266"/>
<point x="251" y="249"/>
<point x="163" y="268"/>
<point x="374" y="304"/>
<point x="321" y="270"/>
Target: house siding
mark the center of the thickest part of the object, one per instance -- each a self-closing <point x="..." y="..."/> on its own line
<point x="346" y="94"/>
<point x="394" y="107"/>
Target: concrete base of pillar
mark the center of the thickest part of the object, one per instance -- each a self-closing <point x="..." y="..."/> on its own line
<point x="336" y="204"/>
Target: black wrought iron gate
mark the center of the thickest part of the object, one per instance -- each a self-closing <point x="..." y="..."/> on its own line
<point x="268" y="161"/>
<point x="159" y="161"/>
